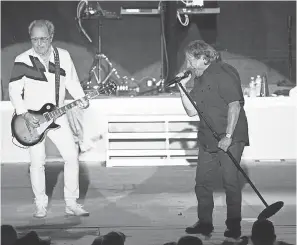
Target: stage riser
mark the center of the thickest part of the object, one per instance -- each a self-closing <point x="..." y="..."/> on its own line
<point x="272" y="128"/>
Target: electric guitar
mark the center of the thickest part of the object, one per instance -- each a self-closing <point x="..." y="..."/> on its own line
<point x="27" y="135"/>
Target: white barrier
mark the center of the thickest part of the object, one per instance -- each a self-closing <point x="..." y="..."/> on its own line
<point x="272" y="126"/>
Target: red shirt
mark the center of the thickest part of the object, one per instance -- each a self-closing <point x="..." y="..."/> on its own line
<point x="218" y="86"/>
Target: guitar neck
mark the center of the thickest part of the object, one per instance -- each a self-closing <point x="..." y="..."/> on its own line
<point x="60" y="111"/>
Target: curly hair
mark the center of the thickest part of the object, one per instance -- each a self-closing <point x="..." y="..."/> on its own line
<point x="41" y="23"/>
<point x="198" y="48"/>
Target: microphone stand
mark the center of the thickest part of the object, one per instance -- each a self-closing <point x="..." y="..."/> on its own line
<point x="269" y="210"/>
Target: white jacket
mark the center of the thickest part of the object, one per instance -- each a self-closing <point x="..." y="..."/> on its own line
<point x="32" y="84"/>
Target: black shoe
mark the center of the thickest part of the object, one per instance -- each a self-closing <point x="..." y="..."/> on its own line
<point x="233" y="228"/>
<point x="232" y="233"/>
<point x="200" y="228"/>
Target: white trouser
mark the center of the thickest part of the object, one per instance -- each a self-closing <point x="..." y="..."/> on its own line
<point x="64" y="141"/>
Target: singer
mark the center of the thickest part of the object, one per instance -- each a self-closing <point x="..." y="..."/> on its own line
<point x="218" y="95"/>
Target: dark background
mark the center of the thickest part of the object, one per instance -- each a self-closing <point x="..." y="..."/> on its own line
<point x="255" y="29"/>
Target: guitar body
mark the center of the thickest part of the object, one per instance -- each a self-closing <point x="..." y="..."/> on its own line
<point x="27" y="135"/>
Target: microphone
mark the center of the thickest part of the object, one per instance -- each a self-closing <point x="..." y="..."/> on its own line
<point x="177" y="79"/>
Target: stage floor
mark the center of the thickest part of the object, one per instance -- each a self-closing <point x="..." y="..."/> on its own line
<point x="151" y="205"/>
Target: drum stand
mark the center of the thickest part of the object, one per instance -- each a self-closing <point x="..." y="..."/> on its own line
<point x="96" y="68"/>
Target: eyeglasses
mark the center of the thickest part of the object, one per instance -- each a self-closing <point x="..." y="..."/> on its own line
<point x="42" y="39"/>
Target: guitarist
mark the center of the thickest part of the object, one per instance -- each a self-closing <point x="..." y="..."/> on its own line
<point x="32" y="84"/>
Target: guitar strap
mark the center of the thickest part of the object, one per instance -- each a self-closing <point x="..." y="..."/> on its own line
<point x="57" y="74"/>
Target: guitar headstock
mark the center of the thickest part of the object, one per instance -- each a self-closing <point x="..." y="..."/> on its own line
<point x="109" y="87"/>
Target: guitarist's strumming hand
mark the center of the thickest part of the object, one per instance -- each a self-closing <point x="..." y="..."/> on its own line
<point x="31" y="119"/>
<point x="83" y="103"/>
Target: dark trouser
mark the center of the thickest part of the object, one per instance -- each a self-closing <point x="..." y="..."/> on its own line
<point x="207" y="167"/>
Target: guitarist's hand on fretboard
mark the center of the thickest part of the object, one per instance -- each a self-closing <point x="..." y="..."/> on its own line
<point x="83" y="103"/>
<point x="31" y="120"/>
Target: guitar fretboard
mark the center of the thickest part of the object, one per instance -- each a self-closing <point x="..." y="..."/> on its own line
<point x="60" y="111"/>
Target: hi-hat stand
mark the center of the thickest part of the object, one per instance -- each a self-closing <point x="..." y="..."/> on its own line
<point x="96" y="68"/>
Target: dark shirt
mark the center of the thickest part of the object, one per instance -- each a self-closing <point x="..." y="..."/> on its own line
<point x="218" y="86"/>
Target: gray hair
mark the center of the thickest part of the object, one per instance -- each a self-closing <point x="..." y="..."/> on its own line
<point x="41" y="23"/>
<point x="198" y="48"/>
